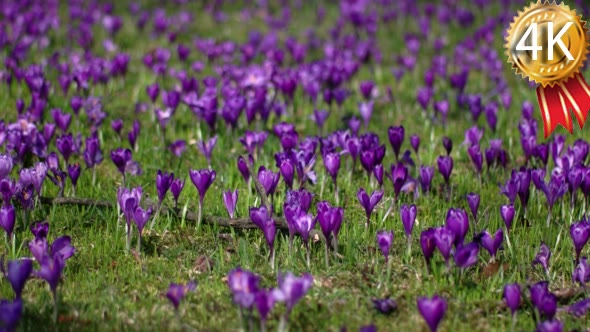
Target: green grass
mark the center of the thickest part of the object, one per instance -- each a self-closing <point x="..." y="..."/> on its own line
<point x="106" y="289"/>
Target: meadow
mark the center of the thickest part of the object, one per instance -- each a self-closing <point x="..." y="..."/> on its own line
<point x="299" y="135"/>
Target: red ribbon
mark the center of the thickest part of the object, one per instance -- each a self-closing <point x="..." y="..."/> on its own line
<point x="556" y="102"/>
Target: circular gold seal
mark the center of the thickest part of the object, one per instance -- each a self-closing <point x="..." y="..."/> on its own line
<point x="547" y="43"/>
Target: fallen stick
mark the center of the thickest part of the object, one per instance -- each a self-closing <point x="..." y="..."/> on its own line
<point x="243" y="223"/>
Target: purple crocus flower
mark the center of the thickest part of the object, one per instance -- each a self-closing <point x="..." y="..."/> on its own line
<point x="6" y="164"/>
<point x="303" y="224"/>
<point x="230" y="200"/>
<point x="366" y="111"/>
<point x="206" y="148"/>
<point x="243" y="167"/>
<point x="134" y="134"/>
<point x="443" y="239"/>
<point x="398" y="177"/>
<point x="473" y="202"/>
<point x="543" y="256"/>
<point x="7" y="190"/>
<point x="292" y="289"/>
<point x="415" y="143"/>
<point x="523" y="178"/>
<point x="202" y="179"/>
<point x="367" y="158"/>
<point x="38" y="248"/>
<point x="476" y="157"/>
<point x="396" y="139"/>
<point x="62" y="120"/>
<point x="330" y="220"/>
<point x="74" y="171"/>
<point x="268" y="179"/>
<point x="384" y="306"/>
<point x="177" y="292"/>
<point x="408" y="217"/>
<point x="507" y="213"/>
<point x="384" y="241"/>
<point x="545" y="302"/>
<point x="512" y="297"/>
<point x="447" y="144"/>
<point x="7" y="219"/>
<point x="473" y="136"/>
<point x="117" y="126"/>
<point x="262" y="218"/>
<point x="426" y="175"/>
<point x="128" y="201"/>
<point x="580" y="233"/>
<point x="367" y="89"/>
<point x="428" y="244"/>
<point x="581" y="272"/>
<point x="25" y="196"/>
<point x="553" y="191"/>
<point x="50" y="270"/>
<point x="92" y="153"/>
<point x="369" y="203"/>
<point x="510" y="189"/>
<point x="378" y="173"/>
<point x="466" y="255"/>
<point x="286" y="167"/>
<point x="10" y="314"/>
<point x="141" y="217"/>
<point x="580" y="308"/>
<point x="163" y="183"/>
<point x="320" y="117"/>
<point x="264" y="302"/>
<point x="492" y="243"/>
<point x="176" y="188"/>
<point x="445" y="167"/>
<point x="243" y="285"/>
<point x="332" y="164"/>
<point x="65" y="146"/>
<point x="153" y="91"/>
<point x="458" y="222"/>
<point x="121" y="157"/>
<point x="550" y="326"/>
<point x="442" y="107"/>
<point x="178" y="147"/>
<point x="40" y="229"/>
<point x="62" y="246"/>
<point x="18" y="272"/>
<point x="432" y="310"/>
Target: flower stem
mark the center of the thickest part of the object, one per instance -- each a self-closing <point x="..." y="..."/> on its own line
<point x="241" y="319"/>
<point x="291" y="246"/>
<point x="308" y="255"/>
<point x="272" y="258"/>
<point x="283" y="323"/>
<point x="388" y="275"/>
<point x="156" y="216"/>
<point x="54" y="306"/>
<point x="199" y="215"/>
<point x="129" y="236"/>
<point x="327" y="255"/>
<point x="139" y="245"/>
<point x="388" y="210"/>
<point x="549" y="217"/>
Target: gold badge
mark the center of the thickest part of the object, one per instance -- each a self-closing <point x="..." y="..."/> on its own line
<point x="548" y="44"/>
